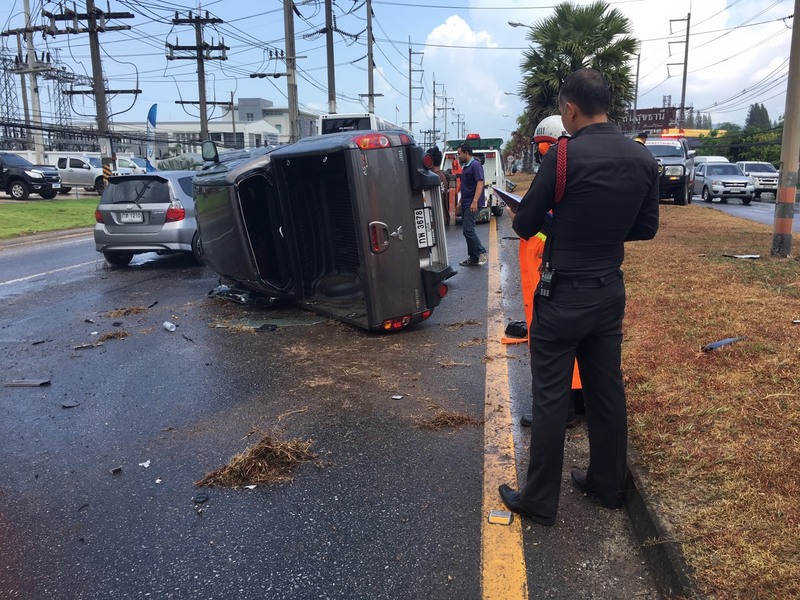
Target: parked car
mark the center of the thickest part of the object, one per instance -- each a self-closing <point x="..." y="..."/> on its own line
<point x="18" y="178"/>
<point x="127" y="166"/>
<point x="723" y="181"/>
<point x="763" y="174"/>
<point x="81" y="171"/>
<point x="349" y="225"/>
<point x="147" y="212"/>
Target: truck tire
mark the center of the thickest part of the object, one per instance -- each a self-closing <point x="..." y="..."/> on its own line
<point x="707" y="197"/>
<point x="19" y="190"/>
<point x="99" y="185"/>
<point x="680" y="196"/>
<point x="118" y="259"/>
<point x="746" y="201"/>
<point x="49" y="195"/>
<point x="497" y="211"/>
<point x="197" y="249"/>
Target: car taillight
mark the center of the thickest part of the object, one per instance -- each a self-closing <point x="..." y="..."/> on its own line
<point x="443" y="289"/>
<point x="396" y="324"/>
<point x="426" y="314"/>
<point x="175" y="213"/>
<point x="98" y="216"/>
<point x="372" y="141"/>
<point x="405" y="140"/>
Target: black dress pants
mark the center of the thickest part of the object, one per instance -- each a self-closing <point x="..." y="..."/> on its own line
<point x="581" y="319"/>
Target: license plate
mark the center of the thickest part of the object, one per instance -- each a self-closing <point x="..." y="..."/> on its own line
<point x="131" y="217"/>
<point x="423" y="218"/>
<point x="56" y="186"/>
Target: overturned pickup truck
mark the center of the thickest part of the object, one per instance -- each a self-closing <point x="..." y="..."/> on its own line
<point x="348" y="225"/>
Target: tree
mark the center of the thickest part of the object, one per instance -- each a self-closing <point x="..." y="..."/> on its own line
<point x="757" y="118"/>
<point x="574" y="37"/>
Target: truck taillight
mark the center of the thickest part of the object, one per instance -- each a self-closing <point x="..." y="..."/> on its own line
<point x="372" y="141"/>
<point x="175" y="213"/>
<point x="98" y="216"/>
<point x="443" y="289"/>
<point x="427" y="161"/>
<point x="397" y="323"/>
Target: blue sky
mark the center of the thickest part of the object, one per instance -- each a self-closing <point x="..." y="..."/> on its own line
<point x="739" y="52"/>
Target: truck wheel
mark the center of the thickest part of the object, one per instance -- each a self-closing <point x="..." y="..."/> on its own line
<point x="197" y="249"/>
<point x="497" y="211"/>
<point x="64" y="190"/>
<point x="746" y="201"/>
<point x="118" y="259"/>
<point x="680" y="197"/>
<point x="19" y="190"/>
<point x="757" y="196"/>
<point x="706" y="195"/>
<point x="48" y="195"/>
<point x="99" y="185"/>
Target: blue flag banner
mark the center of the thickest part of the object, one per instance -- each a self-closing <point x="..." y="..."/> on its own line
<point x="151" y="138"/>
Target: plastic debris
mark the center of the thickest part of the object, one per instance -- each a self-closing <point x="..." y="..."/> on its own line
<point x="116" y="470"/>
<point x="397" y="397"/>
<point x="742" y="255"/>
<point x="158" y="481"/>
<point x="145" y="464"/>
<point x="153" y="304"/>
<point x="517" y="329"/>
<point x="721" y="343"/>
<point x="27" y="383"/>
<point x="70" y="404"/>
<point x="251" y="487"/>
<point x="200" y="498"/>
<point x="169" y="326"/>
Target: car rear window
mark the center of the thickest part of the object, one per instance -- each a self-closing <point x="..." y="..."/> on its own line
<point x="149" y="190"/>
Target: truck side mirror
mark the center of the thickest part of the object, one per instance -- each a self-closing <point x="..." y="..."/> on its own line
<point x="209" y="151"/>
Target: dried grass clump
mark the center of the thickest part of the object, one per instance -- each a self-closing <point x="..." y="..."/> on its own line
<point x="124" y="312"/>
<point x="444" y="419"/>
<point x="268" y="461"/>
<point x="113" y="335"/>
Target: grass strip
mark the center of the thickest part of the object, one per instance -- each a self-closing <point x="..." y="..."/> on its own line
<point x="35" y="215"/>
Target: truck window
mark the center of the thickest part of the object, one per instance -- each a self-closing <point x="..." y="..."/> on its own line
<point x="75" y="163"/>
<point x="336" y="125"/>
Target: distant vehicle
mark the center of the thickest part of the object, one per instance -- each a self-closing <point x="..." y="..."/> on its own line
<point x="723" y="181"/>
<point x="763" y="174"/>
<point x="715" y="159"/>
<point x="147" y="212"/>
<point x="340" y="123"/>
<point x="81" y="171"/>
<point x="18" y="178"/>
<point x="675" y="167"/>
<point x="487" y="152"/>
<point x="140" y="162"/>
<point x="127" y="166"/>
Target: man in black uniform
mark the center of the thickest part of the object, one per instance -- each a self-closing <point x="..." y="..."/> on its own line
<point x="611" y="197"/>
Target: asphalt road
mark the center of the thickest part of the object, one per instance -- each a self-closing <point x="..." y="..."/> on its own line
<point x="390" y="511"/>
<point x="760" y="212"/>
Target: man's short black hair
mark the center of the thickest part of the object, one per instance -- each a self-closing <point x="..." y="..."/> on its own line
<point x="436" y="155"/>
<point x="466" y="148"/>
<point x="588" y="90"/>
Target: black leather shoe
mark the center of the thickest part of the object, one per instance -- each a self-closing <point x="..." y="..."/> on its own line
<point x="527" y="419"/>
<point x="612" y="501"/>
<point x="511" y="500"/>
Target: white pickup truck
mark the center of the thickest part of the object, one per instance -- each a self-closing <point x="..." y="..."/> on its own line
<point x="763" y="174"/>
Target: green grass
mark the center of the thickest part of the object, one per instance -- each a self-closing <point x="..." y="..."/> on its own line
<point x="35" y="216"/>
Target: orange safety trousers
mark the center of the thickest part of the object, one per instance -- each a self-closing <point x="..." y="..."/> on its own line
<point x="530" y="266"/>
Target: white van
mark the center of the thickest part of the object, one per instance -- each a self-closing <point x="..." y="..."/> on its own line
<point x="487" y="152"/>
<point x="716" y="159"/>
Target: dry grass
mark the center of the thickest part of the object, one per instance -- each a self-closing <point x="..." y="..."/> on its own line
<point x="125" y="312"/>
<point x="113" y="335"/>
<point x="718" y="431"/>
<point x="268" y="461"/>
<point x="447" y="419"/>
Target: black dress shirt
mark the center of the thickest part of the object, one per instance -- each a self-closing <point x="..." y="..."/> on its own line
<point x="611" y="197"/>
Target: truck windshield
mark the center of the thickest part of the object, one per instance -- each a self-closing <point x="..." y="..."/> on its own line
<point x="724" y="170"/>
<point x="345" y="124"/>
<point x="12" y="160"/>
<point x="659" y="150"/>
<point x="761" y="168"/>
<point x="95" y="162"/>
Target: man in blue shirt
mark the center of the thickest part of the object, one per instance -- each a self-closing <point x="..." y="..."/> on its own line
<point x="472" y="198"/>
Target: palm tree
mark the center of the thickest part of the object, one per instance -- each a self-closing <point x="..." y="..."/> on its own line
<point x="574" y="37"/>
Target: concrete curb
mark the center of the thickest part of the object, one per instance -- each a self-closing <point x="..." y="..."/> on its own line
<point x="45" y="235"/>
<point x="660" y="548"/>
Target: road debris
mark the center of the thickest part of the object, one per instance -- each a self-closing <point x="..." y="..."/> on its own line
<point x="112" y="335"/>
<point x="170" y="326"/>
<point x="82" y="346"/>
<point x="145" y="464"/>
<point x="500" y="517"/>
<point x="747" y="256"/>
<point x="448" y="419"/>
<point x="268" y="461"/>
<point x="27" y="383"/>
<point x="70" y="404"/>
<point x="116" y="470"/>
<point x="721" y="343"/>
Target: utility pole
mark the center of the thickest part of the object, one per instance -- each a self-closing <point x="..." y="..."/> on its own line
<point x="96" y="22"/>
<point x="790" y="150"/>
<point x="329" y="46"/>
<point x="635" y="127"/>
<point x="410" y="83"/>
<point x="445" y="108"/>
<point x="685" y="68"/>
<point x="458" y="123"/>
<point x="370" y="81"/>
<point x="291" y="66"/>
<point x="202" y="53"/>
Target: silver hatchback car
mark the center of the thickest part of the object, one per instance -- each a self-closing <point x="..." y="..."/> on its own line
<point x="149" y="212"/>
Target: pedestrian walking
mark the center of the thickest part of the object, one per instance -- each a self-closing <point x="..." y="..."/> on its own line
<point x="609" y="196"/>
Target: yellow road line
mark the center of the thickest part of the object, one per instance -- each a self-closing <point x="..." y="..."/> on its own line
<point x="503" y="572"/>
